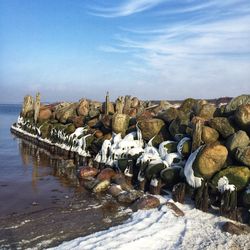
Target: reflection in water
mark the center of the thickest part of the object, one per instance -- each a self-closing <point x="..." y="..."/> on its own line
<point x="40" y="159"/>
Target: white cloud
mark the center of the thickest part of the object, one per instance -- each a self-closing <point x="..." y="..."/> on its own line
<point x="127" y="8"/>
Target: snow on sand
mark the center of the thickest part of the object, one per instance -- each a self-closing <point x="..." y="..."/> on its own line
<point x="160" y="229"/>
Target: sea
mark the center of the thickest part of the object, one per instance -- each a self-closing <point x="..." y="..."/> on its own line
<point x="38" y="208"/>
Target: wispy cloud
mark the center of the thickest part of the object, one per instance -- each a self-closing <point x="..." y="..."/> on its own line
<point x="111" y="49"/>
<point x="205" y="44"/>
<point x="127" y="8"/>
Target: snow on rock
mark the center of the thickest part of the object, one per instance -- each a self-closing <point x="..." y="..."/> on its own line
<point x="223" y="185"/>
<point x="161" y="229"/>
<point x="189" y="172"/>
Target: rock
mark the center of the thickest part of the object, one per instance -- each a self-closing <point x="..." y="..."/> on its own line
<point x="115" y="190"/>
<point x="65" y="112"/>
<point x="127" y="104"/>
<point x="120" y="123"/>
<point x="179" y="126"/>
<point x="151" y="127"/>
<point x="243" y="155"/>
<point x="129" y="196"/>
<point x="45" y="130"/>
<point x="93" y="123"/>
<point x="176" y="211"/>
<point x="106" y="174"/>
<point x="83" y="107"/>
<point x="196" y="138"/>
<point x="246" y="197"/>
<point x="90" y="184"/>
<point x="210" y="160"/>
<point x="98" y="134"/>
<point x="168" y="115"/>
<point x="132" y="112"/>
<point x="78" y="121"/>
<point x="108" y="107"/>
<point x="120" y="180"/>
<point x="94" y="109"/>
<point x="179" y="192"/>
<point x="234" y="228"/>
<point x="236" y="102"/>
<point x="102" y="186"/>
<point x="154" y="170"/>
<point x="28" y="105"/>
<point x="239" y="139"/>
<point x="119" y="105"/>
<point x="135" y="102"/>
<point x="188" y="105"/>
<point x="171" y="147"/>
<point x="209" y="135"/>
<point x="242" y="117"/>
<point x="146" y="202"/>
<point x="207" y="111"/>
<point x="164" y="105"/>
<point x="44" y="114"/>
<point x="236" y="175"/>
<point x="37" y="105"/>
<point x="88" y="172"/>
<point x="171" y="176"/>
<point x="222" y="125"/>
<point x="107" y="121"/>
<point x="69" y="129"/>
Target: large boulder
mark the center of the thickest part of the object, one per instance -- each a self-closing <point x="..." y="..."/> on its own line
<point x="151" y="127"/>
<point x="28" y="105"/>
<point x="188" y="105"/>
<point x="239" y="139"/>
<point x="120" y="123"/>
<point x="135" y="102"/>
<point x="210" y="160"/>
<point x="44" y="114"/>
<point x="223" y="126"/>
<point x="206" y="111"/>
<point x="65" y="112"/>
<point x="78" y="121"/>
<point x="45" y="130"/>
<point x="236" y="102"/>
<point x="129" y="196"/>
<point x="243" y="155"/>
<point x="83" y="107"/>
<point x="242" y="117"/>
<point x="209" y="135"/>
<point x="236" y="175"/>
<point x="146" y="202"/>
<point x="168" y="115"/>
<point x="179" y="125"/>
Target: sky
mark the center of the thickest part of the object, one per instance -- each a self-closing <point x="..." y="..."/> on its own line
<point x="153" y="49"/>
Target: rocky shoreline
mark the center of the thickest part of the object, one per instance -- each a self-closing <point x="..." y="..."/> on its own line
<point x="134" y="149"/>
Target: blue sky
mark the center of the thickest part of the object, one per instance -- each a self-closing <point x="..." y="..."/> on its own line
<point x="154" y="49"/>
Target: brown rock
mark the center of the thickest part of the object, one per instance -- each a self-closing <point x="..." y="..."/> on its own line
<point x="78" y="121"/>
<point x="209" y="135"/>
<point x="83" y="107"/>
<point x="151" y="127"/>
<point x="210" y="160"/>
<point x="168" y="115"/>
<point x="106" y="174"/>
<point x="115" y="190"/>
<point x="239" y="139"/>
<point x="98" y="134"/>
<point x="243" y="155"/>
<point x="44" y="115"/>
<point x="146" y="202"/>
<point x="91" y="123"/>
<point x="129" y="196"/>
<point x="132" y="112"/>
<point x="234" y="228"/>
<point x="119" y="105"/>
<point x="88" y="172"/>
<point x="120" y="123"/>
<point x="135" y="102"/>
<point x="176" y="211"/>
<point x="207" y="111"/>
<point x="28" y="105"/>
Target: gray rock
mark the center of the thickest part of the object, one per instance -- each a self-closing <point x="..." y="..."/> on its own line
<point x="243" y="155"/>
<point x="236" y="102"/>
<point x="130" y="196"/>
<point x="239" y="139"/>
<point x="222" y="125"/>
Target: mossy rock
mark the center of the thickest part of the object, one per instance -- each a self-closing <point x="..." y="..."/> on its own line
<point x="209" y="135"/>
<point x="223" y="125"/>
<point x="237" y="175"/>
<point x="70" y="128"/>
<point x="171" y="176"/>
<point x="154" y="170"/>
<point x="171" y="147"/>
<point x="45" y="130"/>
<point x="186" y="149"/>
<point x="179" y="126"/>
<point x="188" y="105"/>
<point x="243" y="155"/>
<point x="169" y="115"/>
<point x="210" y="160"/>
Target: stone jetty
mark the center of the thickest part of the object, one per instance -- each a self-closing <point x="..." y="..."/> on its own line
<point x="135" y="149"/>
